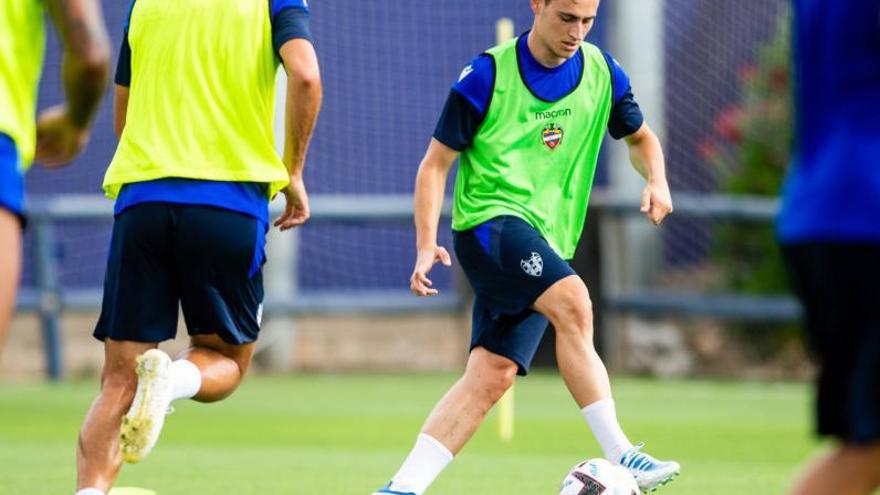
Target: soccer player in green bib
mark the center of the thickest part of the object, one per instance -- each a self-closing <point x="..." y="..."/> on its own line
<point x="527" y="119"/>
<point x="192" y="178"/>
<point x="60" y="132"/>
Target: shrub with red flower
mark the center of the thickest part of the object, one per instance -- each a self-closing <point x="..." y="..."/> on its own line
<point x="751" y="139"/>
<point x="748" y="151"/>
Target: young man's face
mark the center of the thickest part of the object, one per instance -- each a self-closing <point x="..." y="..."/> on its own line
<point x="561" y="25"/>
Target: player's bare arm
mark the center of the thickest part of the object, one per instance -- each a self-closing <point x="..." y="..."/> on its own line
<point x="646" y="156"/>
<point x="120" y="107"/>
<point x="430" y="189"/>
<point x="63" y="130"/>
<point x="304" y="95"/>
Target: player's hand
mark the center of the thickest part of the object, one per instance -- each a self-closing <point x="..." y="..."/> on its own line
<point x="419" y="283"/>
<point x="59" y="140"/>
<point x="296" y="212"/>
<point x="656" y="201"/>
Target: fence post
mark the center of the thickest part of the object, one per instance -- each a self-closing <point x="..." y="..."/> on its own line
<point x="282" y="284"/>
<point x="46" y="264"/>
<point x="613" y="267"/>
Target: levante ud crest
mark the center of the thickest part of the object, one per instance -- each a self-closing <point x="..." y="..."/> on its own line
<point x="552" y="136"/>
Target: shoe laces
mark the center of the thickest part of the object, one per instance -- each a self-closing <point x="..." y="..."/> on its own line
<point x="637" y="460"/>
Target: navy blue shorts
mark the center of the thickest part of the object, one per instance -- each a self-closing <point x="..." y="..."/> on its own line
<point x="206" y="260"/>
<point x="509" y="265"/>
<point x="11" y="178"/>
<point x="837" y="284"/>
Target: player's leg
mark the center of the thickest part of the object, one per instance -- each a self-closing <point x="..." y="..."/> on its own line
<point x="501" y="348"/>
<point x="11" y="204"/>
<point x="98" y="456"/>
<point x="505" y="336"/>
<point x="139" y="310"/>
<point x="460" y="412"/>
<point x="221" y="367"/>
<point x="220" y="260"/>
<point x="454" y="420"/>
<point x="567" y="305"/>
<point x="846" y="470"/>
<point x="836" y="284"/>
<point x="209" y="371"/>
<point x="10" y="267"/>
<point x="217" y="258"/>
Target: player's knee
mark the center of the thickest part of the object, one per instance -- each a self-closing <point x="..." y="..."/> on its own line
<point x="498" y="381"/>
<point x="574" y="316"/>
<point x="118" y="385"/>
<point x="243" y="363"/>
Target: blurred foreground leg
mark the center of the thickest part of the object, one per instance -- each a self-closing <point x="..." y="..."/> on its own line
<point x="10" y="267"/>
<point x="847" y="470"/>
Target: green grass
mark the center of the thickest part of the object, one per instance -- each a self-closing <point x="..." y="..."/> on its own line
<point x="341" y="435"/>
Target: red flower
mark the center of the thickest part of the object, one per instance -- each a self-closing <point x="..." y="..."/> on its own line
<point x="708" y="150"/>
<point x="779" y="78"/>
<point x="728" y="124"/>
<point x="748" y="73"/>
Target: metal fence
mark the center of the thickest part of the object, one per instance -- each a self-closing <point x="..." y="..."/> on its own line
<point x="50" y="299"/>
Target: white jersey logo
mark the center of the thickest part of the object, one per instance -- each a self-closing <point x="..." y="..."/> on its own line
<point x="465" y="72"/>
<point x="533" y="266"/>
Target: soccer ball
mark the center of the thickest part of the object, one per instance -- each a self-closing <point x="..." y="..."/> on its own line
<point x="598" y="477"/>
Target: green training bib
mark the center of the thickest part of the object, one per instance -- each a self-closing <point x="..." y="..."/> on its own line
<point x="202" y="97"/>
<point x="535" y="159"/>
<point x="22" y="44"/>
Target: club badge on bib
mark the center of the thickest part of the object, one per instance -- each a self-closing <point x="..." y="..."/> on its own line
<point x="552" y="136"/>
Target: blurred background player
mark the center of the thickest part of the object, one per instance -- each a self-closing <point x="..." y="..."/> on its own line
<point x="60" y="132"/>
<point x="830" y="230"/>
<point x="192" y="177"/>
<point x="528" y="119"/>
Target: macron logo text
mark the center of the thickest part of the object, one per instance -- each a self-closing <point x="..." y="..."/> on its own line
<point x="552" y="114"/>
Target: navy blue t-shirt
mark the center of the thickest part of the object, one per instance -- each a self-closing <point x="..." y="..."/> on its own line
<point x="290" y="20"/>
<point x="469" y="98"/>
<point x="832" y="192"/>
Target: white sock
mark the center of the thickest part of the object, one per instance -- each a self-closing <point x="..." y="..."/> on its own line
<point x="89" y="491"/>
<point x="602" y="418"/>
<point x="426" y="460"/>
<point x="186" y="379"/>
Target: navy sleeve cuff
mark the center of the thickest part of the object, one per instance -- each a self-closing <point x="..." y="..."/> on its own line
<point x="626" y="116"/>
<point x="290" y="23"/>
<point x="123" y="65"/>
<point x="458" y="123"/>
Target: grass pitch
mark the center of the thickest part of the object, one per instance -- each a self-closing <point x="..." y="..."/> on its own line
<point x="341" y="435"/>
